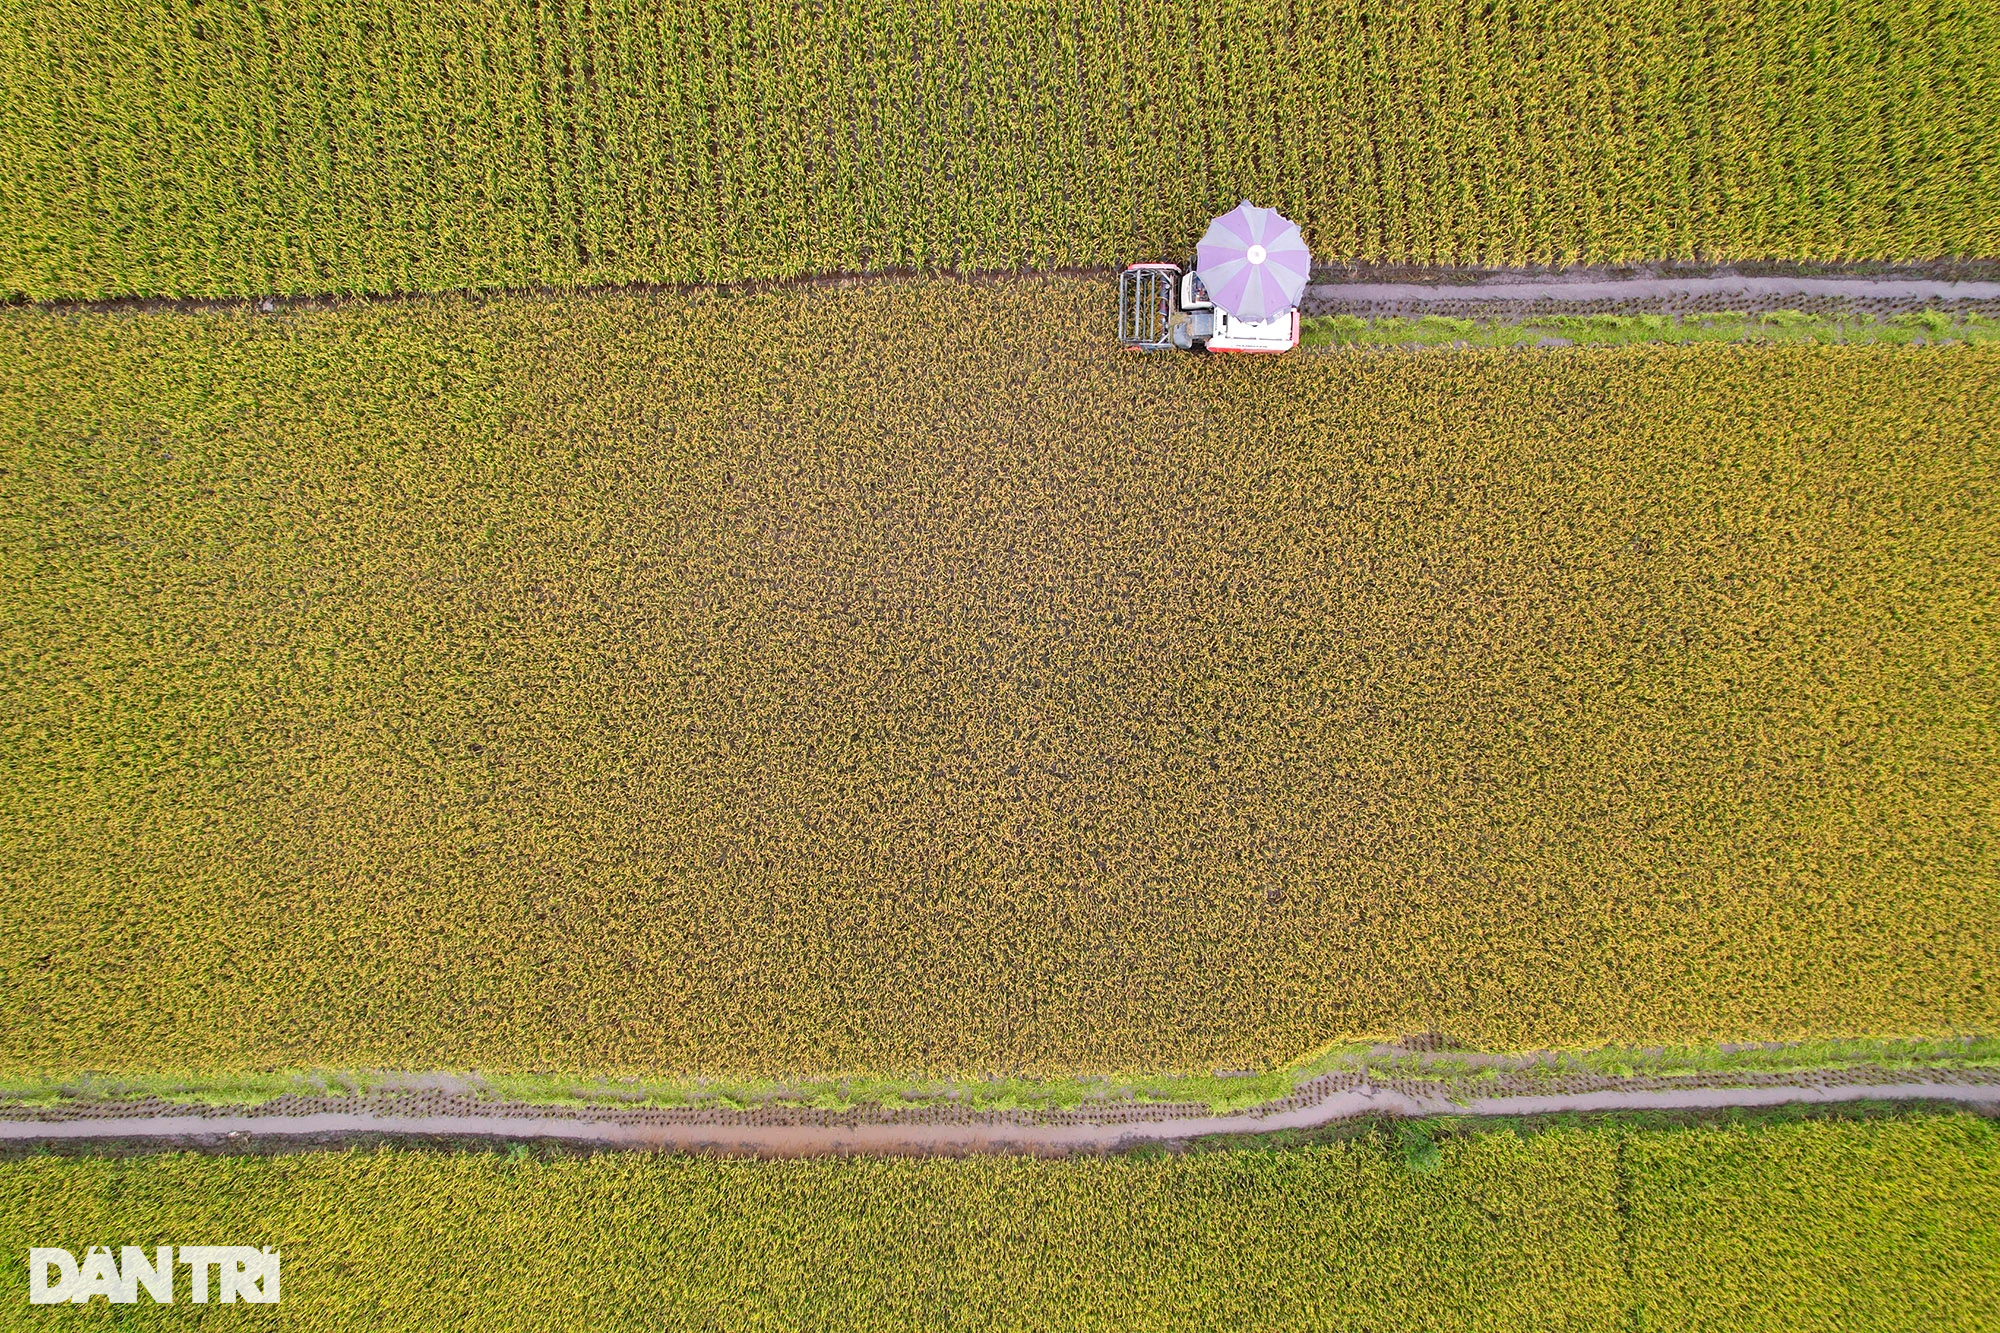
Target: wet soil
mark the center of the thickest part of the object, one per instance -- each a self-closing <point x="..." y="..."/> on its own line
<point x="435" y="1117"/>
<point x="1967" y="285"/>
<point x="1873" y="292"/>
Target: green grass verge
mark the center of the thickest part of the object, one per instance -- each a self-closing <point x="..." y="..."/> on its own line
<point x="233" y="148"/>
<point x="1221" y="1093"/>
<point x="1403" y="1136"/>
<point x="1887" y="1224"/>
<point x="821" y="684"/>
<point x="1777" y="326"/>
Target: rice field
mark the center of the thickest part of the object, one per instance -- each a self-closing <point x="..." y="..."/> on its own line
<point x="865" y="686"/>
<point x="149" y="147"/>
<point x="1885" y="1224"/>
<point x="897" y="680"/>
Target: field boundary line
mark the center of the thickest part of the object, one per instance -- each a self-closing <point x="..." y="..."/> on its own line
<point x="1907" y="287"/>
<point x="1720" y="287"/>
<point x="1336" y="1098"/>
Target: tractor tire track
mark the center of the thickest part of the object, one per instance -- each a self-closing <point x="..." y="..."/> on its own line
<point x="1513" y="296"/>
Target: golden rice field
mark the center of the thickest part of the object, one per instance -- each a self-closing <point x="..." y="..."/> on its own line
<point x="1884" y="1225"/>
<point x="900" y="679"/>
<point x="237" y="148"/>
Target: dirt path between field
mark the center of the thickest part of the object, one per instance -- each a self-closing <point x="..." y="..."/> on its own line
<point x="1966" y="285"/>
<point x="1627" y="289"/>
<point x="1520" y="295"/>
<point x="786" y="1135"/>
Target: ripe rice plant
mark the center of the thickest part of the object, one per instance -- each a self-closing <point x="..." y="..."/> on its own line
<point x="1884" y="1225"/>
<point x="1887" y="1225"/>
<point x="899" y="679"/>
<point x="157" y="147"/>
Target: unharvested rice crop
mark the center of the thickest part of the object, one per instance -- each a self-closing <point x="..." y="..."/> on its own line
<point x="899" y="678"/>
<point x="1888" y="1225"/>
<point x="230" y="147"/>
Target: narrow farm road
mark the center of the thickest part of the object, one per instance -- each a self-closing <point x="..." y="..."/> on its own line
<point x="757" y="1133"/>
<point x="1653" y="291"/>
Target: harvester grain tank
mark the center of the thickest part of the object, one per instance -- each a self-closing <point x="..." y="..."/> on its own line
<point x="1241" y="294"/>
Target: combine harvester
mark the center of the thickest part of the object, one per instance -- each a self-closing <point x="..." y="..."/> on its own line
<point x="1241" y="295"/>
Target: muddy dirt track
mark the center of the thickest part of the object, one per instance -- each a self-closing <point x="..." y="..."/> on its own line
<point x="1511" y="296"/>
<point x="794" y="1135"/>
<point x="1961" y="286"/>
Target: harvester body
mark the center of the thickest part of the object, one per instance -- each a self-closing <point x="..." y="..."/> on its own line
<point x="1162" y="306"/>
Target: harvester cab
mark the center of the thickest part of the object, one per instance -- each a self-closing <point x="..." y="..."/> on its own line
<point x="1240" y="295"/>
<point x="1163" y="306"/>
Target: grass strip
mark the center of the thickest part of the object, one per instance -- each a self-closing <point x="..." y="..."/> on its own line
<point x="1777" y="326"/>
<point x="1222" y="1092"/>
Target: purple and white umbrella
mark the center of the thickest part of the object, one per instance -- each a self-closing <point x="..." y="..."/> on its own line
<point x="1253" y="262"/>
